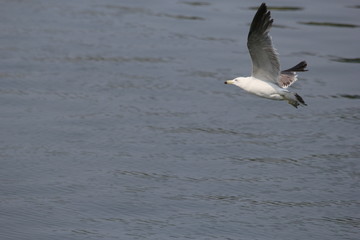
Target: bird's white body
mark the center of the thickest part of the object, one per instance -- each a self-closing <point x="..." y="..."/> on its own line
<point x="260" y="88"/>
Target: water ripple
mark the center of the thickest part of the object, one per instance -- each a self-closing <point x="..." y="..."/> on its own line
<point x="117" y="59"/>
<point x="345" y="60"/>
<point x="281" y="8"/>
<point x="351" y="221"/>
<point x="330" y="24"/>
<point x="197" y="3"/>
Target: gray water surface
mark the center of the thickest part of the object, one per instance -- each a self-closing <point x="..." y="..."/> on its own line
<point x="116" y="124"/>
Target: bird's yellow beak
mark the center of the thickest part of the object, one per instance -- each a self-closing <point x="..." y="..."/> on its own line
<point x="229" y="82"/>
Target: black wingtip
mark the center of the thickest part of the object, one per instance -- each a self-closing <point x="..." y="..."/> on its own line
<point x="300" y="99"/>
<point x="263" y="7"/>
<point x="262" y="20"/>
<point x="300" y="67"/>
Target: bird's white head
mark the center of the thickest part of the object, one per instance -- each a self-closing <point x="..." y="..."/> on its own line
<point x="239" y="81"/>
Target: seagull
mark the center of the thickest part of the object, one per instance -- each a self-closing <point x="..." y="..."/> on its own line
<point x="266" y="79"/>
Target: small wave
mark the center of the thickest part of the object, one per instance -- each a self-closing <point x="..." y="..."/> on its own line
<point x="284" y="8"/>
<point x="197" y="4"/>
<point x="330" y="24"/>
<point x="346" y="60"/>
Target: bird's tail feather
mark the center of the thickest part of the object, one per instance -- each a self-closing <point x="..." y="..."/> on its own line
<point x="300" y="67"/>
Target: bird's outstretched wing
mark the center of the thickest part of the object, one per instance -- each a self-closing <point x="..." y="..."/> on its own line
<point x="265" y="62"/>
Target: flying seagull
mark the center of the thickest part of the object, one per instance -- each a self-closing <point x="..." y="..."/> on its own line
<point x="266" y="79"/>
